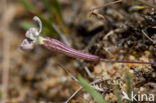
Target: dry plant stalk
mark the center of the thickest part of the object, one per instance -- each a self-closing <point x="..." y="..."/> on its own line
<point x="99" y="16"/>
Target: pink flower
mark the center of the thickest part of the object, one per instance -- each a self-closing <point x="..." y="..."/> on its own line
<point x="33" y="37"/>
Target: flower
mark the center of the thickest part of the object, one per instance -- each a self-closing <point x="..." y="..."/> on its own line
<point x="32" y="36"/>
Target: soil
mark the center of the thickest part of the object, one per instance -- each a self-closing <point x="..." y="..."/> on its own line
<point x="36" y="77"/>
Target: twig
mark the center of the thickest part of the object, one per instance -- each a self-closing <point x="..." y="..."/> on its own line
<point x="108" y="34"/>
<point x="85" y="68"/>
<point x="68" y="73"/>
<point x="92" y="11"/>
<point x="73" y="95"/>
<point x="88" y="71"/>
<point x="146" y="3"/>
<point x="154" y="41"/>
<point x="100" y="7"/>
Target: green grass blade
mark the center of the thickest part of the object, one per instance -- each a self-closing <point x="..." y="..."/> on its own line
<point x="26" y="25"/>
<point x="58" y="16"/>
<point x="48" y="25"/>
<point x="49" y="8"/>
<point x="47" y="29"/>
<point x="57" y="8"/>
<point x="118" y="95"/>
<point x="97" y="97"/>
<point x="128" y="83"/>
<point x="27" y="5"/>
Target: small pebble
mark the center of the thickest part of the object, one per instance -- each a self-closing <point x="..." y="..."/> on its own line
<point x="132" y="58"/>
<point x="86" y="96"/>
<point x="97" y="69"/>
<point x="142" y="89"/>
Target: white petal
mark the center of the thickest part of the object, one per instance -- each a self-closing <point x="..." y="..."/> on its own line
<point x="32" y="34"/>
<point x="26" y="45"/>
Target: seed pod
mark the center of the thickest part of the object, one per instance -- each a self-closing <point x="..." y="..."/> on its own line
<point x="59" y="47"/>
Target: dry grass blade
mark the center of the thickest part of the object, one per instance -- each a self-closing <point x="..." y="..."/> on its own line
<point x="147" y="3"/>
<point x="92" y="11"/>
<point x="64" y="39"/>
<point x="100" y="7"/>
<point x="154" y="41"/>
<point x="68" y="72"/>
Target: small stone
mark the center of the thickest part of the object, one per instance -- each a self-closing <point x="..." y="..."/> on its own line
<point x="131" y="71"/>
<point x="122" y="51"/>
<point x="86" y="96"/>
<point x="107" y="97"/>
<point x="147" y="53"/>
<point x="132" y="58"/>
<point x="144" y="58"/>
<point x="97" y="69"/>
<point x="112" y="72"/>
<point x="124" y="86"/>
<point x="110" y="96"/>
<point x="142" y="89"/>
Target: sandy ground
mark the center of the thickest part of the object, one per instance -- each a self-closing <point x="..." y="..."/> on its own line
<point x="36" y="77"/>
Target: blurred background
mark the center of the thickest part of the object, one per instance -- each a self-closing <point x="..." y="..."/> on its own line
<point x="122" y="31"/>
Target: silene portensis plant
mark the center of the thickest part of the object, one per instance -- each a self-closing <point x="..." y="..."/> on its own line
<point x="33" y="38"/>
